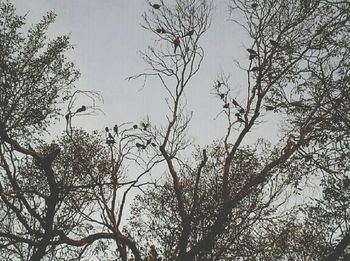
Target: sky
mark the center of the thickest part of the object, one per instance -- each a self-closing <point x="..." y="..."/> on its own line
<point x="107" y="36"/>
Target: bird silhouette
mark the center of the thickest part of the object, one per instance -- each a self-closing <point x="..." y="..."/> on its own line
<point x="140" y="146"/>
<point x="189" y="33"/>
<point x="107" y="129"/>
<point x="251" y="51"/>
<point x="115" y="128"/>
<point x="235" y="103"/>
<point x="254" y="5"/>
<point x="176" y="43"/>
<point x="156" y="6"/>
<point x="81" y="109"/>
<point x="226" y="106"/>
<point x="158" y="30"/>
<point x="153" y="144"/>
<point x="222" y="96"/>
<point x="135" y="126"/>
<point x="241" y="110"/>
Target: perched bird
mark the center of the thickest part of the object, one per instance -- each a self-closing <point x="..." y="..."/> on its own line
<point x="81" y="109"/>
<point x="176" y="43"/>
<point x="140" y="146"/>
<point x="189" y="33"/>
<point x="235" y="103"/>
<point x="241" y="110"/>
<point x="156" y="6"/>
<point x="254" y="5"/>
<point x="222" y="96"/>
<point x="226" y="106"/>
<point x="115" y="128"/>
<point x="153" y="144"/>
<point x="251" y="51"/>
<point x="107" y="129"/>
<point x="135" y="126"/>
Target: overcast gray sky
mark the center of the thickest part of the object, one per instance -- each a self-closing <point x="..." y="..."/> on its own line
<point x="107" y="36"/>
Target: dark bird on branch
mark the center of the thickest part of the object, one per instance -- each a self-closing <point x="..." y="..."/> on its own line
<point x="115" y="128"/>
<point x="241" y="110"/>
<point x="107" y="129"/>
<point x="226" y="106"/>
<point x="81" y="109"/>
<point x="156" y="6"/>
<point x="158" y="30"/>
<point x="153" y="144"/>
<point x="251" y="51"/>
<point x="176" y="43"/>
<point x="189" y="33"/>
<point x="140" y="146"/>
<point x="235" y="103"/>
<point x="254" y="5"/>
<point x="135" y="126"/>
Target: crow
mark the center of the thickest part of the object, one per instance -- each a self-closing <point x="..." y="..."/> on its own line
<point x="81" y="109"/>
<point x="156" y="6"/>
<point x="176" y="43"/>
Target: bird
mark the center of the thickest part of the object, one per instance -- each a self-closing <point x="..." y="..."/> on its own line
<point x="241" y="110"/>
<point x="107" y="129"/>
<point x="135" y="126"/>
<point x="222" y="96"/>
<point x="153" y="144"/>
<point x="156" y="6"/>
<point x="189" y="33"/>
<point x="235" y="103"/>
<point x="81" y="109"/>
<point x="251" y="51"/>
<point x="140" y="146"/>
<point x="254" y="5"/>
<point x="176" y="43"/>
<point x="159" y="30"/>
<point x="226" y="106"/>
<point x="115" y="128"/>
